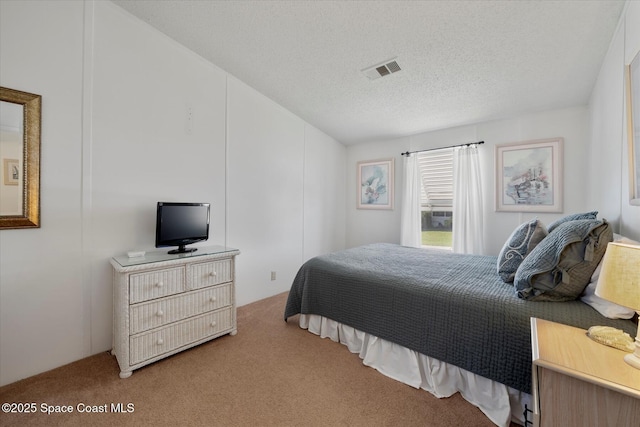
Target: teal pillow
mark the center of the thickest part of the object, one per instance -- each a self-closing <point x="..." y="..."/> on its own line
<point x="560" y="267"/>
<point x="521" y="242"/>
<point x="572" y="217"/>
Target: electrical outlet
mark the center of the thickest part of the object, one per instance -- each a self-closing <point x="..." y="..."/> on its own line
<point x="273" y="275"/>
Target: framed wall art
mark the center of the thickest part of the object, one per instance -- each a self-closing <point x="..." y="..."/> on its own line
<point x="11" y="168"/>
<point x="375" y="184"/>
<point x="633" y="129"/>
<point x="529" y="176"/>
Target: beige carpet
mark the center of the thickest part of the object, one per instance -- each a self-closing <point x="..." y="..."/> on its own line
<point x="271" y="374"/>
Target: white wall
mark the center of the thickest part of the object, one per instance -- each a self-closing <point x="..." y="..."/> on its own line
<point x="630" y="216"/>
<point x="44" y="318"/>
<point x="286" y="192"/>
<point x="142" y="150"/>
<point x="325" y="175"/>
<point x="266" y="149"/>
<point x="608" y="174"/>
<point x="365" y="226"/>
<point x="115" y="140"/>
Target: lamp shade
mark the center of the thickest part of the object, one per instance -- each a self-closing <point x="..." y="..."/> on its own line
<point x="619" y="280"/>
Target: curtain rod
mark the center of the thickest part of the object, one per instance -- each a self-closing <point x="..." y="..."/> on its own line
<point x="442" y="148"/>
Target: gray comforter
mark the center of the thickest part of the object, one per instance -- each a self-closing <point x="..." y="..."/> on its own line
<point x="452" y="307"/>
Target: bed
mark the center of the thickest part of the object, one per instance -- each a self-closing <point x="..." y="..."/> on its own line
<point x="435" y="320"/>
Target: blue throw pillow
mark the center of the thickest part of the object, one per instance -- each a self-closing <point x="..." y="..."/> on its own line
<point x="572" y="217"/>
<point x="560" y="267"/>
<point x="521" y="242"/>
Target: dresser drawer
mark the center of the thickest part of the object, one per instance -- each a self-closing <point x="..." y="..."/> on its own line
<point x="149" y="315"/>
<point x="157" y="342"/>
<point x="155" y="284"/>
<point x="209" y="273"/>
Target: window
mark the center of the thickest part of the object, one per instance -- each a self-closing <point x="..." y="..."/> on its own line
<point x="436" y="204"/>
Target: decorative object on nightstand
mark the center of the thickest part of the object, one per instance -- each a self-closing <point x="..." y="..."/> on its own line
<point x="612" y="337"/>
<point x="619" y="282"/>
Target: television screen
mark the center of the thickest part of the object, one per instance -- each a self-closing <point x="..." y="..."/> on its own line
<point x="181" y="224"/>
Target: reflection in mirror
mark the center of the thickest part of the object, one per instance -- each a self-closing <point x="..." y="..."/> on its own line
<point x="19" y="159"/>
<point x="11" y="148"/>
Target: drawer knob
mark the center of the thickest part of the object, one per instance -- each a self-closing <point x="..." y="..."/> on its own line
<point x="213" y="324"/>
<point x="213" y="299"/>
<point x="160" y="313"/>
<point x="213" y="274"/>
<point x="160" y="341"/>
<point x="159" y="284"/>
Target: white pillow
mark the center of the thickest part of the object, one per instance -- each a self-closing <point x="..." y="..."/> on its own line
<point x="604" y="307"/>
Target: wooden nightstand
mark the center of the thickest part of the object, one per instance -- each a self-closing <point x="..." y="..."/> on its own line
<point x="579" y="382"/>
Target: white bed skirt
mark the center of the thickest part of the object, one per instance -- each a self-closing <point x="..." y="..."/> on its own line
<point x="501" y="404"/>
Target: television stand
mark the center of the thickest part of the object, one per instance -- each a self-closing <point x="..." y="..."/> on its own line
<point x="164" y="304"/>
<point x="182" y="250"/>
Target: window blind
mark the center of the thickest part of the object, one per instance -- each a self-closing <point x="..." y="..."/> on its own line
<point x="436" y="172"/>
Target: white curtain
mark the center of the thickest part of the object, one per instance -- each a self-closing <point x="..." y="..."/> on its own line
<point x="410" y="221"/>
<point x="467" y="202"/>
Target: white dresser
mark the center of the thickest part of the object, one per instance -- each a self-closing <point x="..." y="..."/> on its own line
<point x="163" y="304"/>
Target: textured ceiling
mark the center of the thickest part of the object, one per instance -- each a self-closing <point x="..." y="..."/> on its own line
<point x="462" y="61"/>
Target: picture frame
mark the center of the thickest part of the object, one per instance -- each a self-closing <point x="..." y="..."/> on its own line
<point x="11" y="171"/>
<point x="529" y="176"/>
<point x="375" y="184"/>
<point x="30" y="107"/>
<point x="633" y="128"/>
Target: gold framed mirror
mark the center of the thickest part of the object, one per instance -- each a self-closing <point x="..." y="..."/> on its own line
<point x="633" y="128"/>
<point x="19" y="159"/>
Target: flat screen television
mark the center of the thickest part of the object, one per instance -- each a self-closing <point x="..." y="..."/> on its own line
<point x="181" y="224"/>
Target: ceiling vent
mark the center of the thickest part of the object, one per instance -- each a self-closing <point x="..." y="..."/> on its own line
<point x="383" y="69"/>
